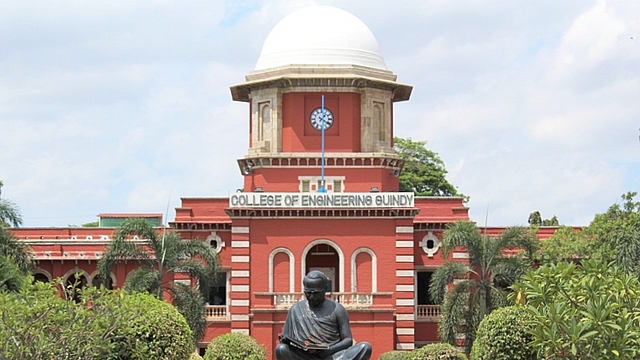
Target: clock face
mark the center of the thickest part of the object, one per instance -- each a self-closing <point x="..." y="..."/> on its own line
<point x="316" y="119"/>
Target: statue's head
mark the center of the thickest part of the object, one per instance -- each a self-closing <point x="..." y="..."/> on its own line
<point x="315" y="287"/>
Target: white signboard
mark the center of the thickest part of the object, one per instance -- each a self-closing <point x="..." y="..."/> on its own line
<point x="321" y="200"/>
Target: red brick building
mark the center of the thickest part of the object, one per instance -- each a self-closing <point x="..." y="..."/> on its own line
<point x="378" y="246"/>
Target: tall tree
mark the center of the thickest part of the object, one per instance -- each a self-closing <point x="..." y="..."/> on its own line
<point x="9" y="212"/>
<point x="612" y="236"/>
<point x="536" y="219"/>
<point x="617" y="233"/>
<point x="424" y="172"/>
<point x="161" y="256"/>
<point x="470" y="290"/>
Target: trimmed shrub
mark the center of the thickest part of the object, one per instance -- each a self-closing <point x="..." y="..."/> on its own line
<point x="195" y="356"/>
<point x="395" y="355"/>
<point x="235" y="346"/>
<point x="150" y="329"/>
<point x="504" y="335"/>
<point x="440" y="351"/>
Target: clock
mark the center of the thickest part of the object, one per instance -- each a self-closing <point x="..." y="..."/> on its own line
<point x="316" y="119"/>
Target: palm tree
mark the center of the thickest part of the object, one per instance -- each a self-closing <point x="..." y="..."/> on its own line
<point x="160" y="256"/>
<point x="12" y="278"/>
<point x="18" y="251"/>
<point x="9" y="212"/>
<point x="470" y="290"/>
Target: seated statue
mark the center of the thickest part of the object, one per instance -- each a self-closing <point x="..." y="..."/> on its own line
<point x="318" y="328"/>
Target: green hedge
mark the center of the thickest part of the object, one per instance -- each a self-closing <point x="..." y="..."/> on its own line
<point x="151" y="329"/>
<point x="235" y="346"/>
<point x="395" y="355"/>
<point x="440" y="351"/>
<point x="503" y="335"/>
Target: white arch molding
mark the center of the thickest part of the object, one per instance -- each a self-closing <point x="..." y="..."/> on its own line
<point x="43" y="272"/>
<point x="374" y="269"/>
<point x="97" y="273"/>
<point x="308" y="248"/>
<point x="291" y="267"/>
<point x="75" y="270"/>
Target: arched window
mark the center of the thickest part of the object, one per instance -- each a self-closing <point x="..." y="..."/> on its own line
<point x="364" y="271"/>
<point x="281" y="267"/>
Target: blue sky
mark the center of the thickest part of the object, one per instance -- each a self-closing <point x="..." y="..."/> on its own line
<point x="120" y="106"/>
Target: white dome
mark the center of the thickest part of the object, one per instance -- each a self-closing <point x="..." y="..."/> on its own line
<point x="320" y="35"/>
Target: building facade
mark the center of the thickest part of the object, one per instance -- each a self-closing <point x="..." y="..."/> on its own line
<point x="321" y="192"/>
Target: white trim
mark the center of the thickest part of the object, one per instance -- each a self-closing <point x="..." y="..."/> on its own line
<point x="239" y="288"/>
<point x="405" y="288"/>
<point x="405" y="317"/>
<point x="240" y="302"/>
<point x="239" y="317"/>
<point x="404" y="273"/>
<point x="240" y="244"/>
<point x="240" y="230"/>
<point x="405" y="331"/>
<point x="461" y="255"/>
<point x="405" y="302"/>
<point x="404" y="244"/>
<point x="291" y="267"/>
<point x="340" y="259"/>
<point x="240" y="259"/>
<point x="404" y="229"/>
<point x="374" y="269"/>
<point x="240" y="273"/>
<point x="405" y="346"/>
<point x="241" y="331"/>
<point x="404" y="258"/>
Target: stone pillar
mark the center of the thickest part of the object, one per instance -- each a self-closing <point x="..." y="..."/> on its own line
<point x="239" y="282"/>
<point x="405" y="288"/>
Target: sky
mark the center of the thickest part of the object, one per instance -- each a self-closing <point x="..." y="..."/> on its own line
<point x="124" y="106"/>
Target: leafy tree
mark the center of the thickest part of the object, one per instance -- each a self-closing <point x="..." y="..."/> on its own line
<point x="617" y="233"/>
<point x="479" y="286"/>
<point x="582" y="311"/>
<point x="424" y="173"/>
<point x="612" y="236"/>
<point x="160" y="257"/>
<point x="536" y="219"/>
<point x="17" y="250"/>
<point x="9" y="212"/>
<point x="36" y="323"/>
<point x="566" y="244"/>
<point x="91" y="224"/>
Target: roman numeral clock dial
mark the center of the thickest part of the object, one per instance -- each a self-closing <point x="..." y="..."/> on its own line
<point x="317" y="121"/>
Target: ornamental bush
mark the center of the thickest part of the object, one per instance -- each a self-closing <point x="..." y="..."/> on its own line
<point x="149" y="329"/>
<point x="505" y="335"/>
<point x="395" y="355"/>
<point x="440" y="351"/>
<point x="235" y="346"/>
<point x="195" y="356"/>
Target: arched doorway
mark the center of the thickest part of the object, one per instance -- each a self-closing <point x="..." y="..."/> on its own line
<point x="324" y="257"/>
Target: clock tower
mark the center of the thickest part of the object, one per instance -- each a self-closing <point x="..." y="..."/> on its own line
<point x="303" y="66"/>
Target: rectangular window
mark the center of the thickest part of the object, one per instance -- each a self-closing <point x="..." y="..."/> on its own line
<point x="424" y="280"/>
<point x="305" y="185"/>
<point x="337" y="186"/>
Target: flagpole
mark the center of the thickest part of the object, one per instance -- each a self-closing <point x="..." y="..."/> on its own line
<point x="322" y="188"/>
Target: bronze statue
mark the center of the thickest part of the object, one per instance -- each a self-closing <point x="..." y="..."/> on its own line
<point x="318" y="328"/>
